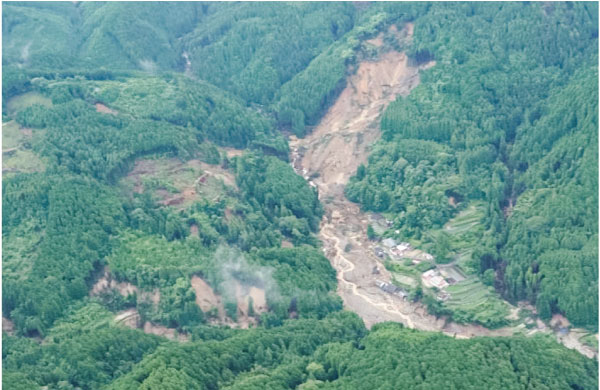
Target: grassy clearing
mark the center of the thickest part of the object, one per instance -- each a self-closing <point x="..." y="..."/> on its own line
<point x="17" y="144"/>
<point x="20" y="102"/>
<point x="20" y="248"/>
<point x="23" y="161"/>
<point x="12" y="136"/>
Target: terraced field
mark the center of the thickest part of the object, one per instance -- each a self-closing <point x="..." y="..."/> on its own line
<point x="471" y="301"/>
<point x="465" y="230"/>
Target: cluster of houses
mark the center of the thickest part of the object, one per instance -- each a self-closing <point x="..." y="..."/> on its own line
<point x="401" y="250"/>
<point x="432" y="278"/>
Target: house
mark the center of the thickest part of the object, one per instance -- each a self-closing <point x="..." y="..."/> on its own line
<point x="389" y="242"/>
<point x="432" y="278"/>
<point x="399" y="249"/>
<point x="379" y="252"/>
<point x="439" y="282"/>
<point x="391" y="289"/>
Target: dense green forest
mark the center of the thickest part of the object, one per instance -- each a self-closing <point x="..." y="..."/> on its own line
<point x="97" y="97"/>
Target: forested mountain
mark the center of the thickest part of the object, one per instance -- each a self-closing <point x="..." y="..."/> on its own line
<point x="147" y="190"/>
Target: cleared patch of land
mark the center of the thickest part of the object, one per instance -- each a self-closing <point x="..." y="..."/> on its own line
<point x="20" y="102"/>
<point x="179" y="184"/>
<point x="17" y="155"/>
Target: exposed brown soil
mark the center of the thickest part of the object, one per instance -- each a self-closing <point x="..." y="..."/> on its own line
<point x="163" y="331"/>
<point x="105" y="110"/>
<point x="106" y="283"/>
<point x="231" y="152"/>
<point x="377" y="41"/>
<point x="572" y="340"/>
<point x="206" y="298"/>
<point x="340" y="142"/>
<point x="8" y="326"/>
<point x="131" y="319"/>
<point x="189" y="178"/>
<point x="452" y="201"/>
<point x="286" y="244"/>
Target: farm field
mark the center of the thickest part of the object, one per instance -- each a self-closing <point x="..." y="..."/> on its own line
<point x="472" y="301"/>
<point x="464" y="231"/>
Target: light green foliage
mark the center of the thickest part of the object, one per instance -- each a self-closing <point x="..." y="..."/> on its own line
<point x="148" y="261"/>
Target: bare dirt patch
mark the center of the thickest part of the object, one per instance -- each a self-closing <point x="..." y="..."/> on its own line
<point x="206" y="298"/>
<point x="377" y="41"/>
<point x="105" y="110"/>
<point x="572" y="340"/>
<point x="163" y="331"/>
<point x="131" y="319"/>
<point x="106" y="282"/>
<point x="231" y="152"/>
<point x="8" y="326"/>
<point x="176" y="183"/>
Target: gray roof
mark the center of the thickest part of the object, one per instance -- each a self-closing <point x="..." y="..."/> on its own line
<point x="389" y="242"/>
